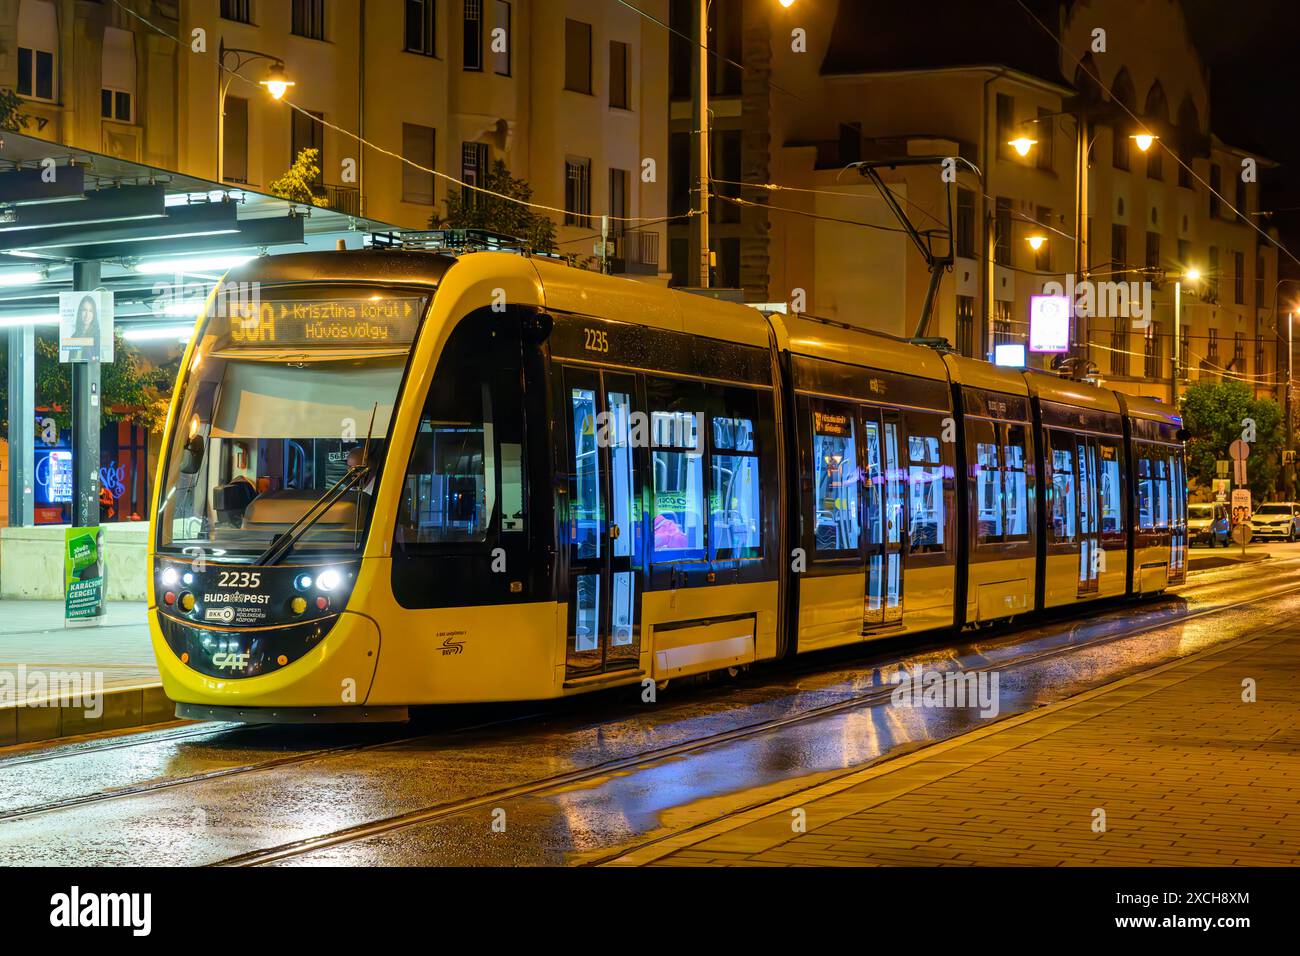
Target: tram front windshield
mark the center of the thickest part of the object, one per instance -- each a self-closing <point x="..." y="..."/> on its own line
<point x="283" y="421"/>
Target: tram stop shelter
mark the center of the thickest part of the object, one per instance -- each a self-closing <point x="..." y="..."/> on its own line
<point x="73" y="220"/>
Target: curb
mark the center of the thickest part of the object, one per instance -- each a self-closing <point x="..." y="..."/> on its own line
<point x="52" y="718"/>
<point x="1235" y="563"/>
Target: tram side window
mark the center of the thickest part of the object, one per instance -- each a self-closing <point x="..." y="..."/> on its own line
<point x="1153" y="487"/>
<point x="735" y="497"/>
<point x="465" y="478"/>
<point x="1063" y="506"/>
<point x="835" y="480"/>
<point x="677" y="460"/>
<point x="926" y="484"/>
<point x="1112" y="488"/>
<point x="987" y="467"/>
<point x="1015" y="481"/>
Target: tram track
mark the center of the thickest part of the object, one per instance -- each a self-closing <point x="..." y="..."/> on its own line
<point x="435" y="812"/>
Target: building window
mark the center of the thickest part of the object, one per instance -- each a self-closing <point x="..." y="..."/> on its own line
<point x="966" y="325"/>
<point x="1151" y="352"/>
<point x="1153" y="257"/>
<point x="240" y="11"/>
<point x="1046" y="138"/>
<point x="307" y="133"/>
<point x="1155" y="162"/>
<point x="1184" y="344"/>
<point x="417" y="146"/>
<point x="618" y="200"/>
<point x="117" y="93"/>
<point x="1259" y="282"/>
<point x="38" y="41"/>
<point x="1002" y="232"/>
<point x="966" y="223"/>
<point x="473" y="46"/>
<point x="474" y="159"/>
<point x="421" y="16"/>
<point x="1212" y="345"/>
<point x="1006" y="120"/>
<point x="1002" y="334"/>
<point x="501" y="38"/>
<point x="1212" y="277"/>
<point x="1119" y="247"/>
<point x="577" y="56"/>
<point x="1239" y="351"/>
<point x="618" y="79"/>
<point x="577" y="192"/>
<point x="1119" y="151"/>
<point x="1119" y="348"/>
<point x="309" y="19"/>
<point x="234" y="153"/>
<point x="1241" y="200"/>
<point x="1216" y="184"/>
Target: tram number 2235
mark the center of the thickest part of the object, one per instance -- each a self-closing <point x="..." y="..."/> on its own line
<point x="240" y="579"/>
<point x="597" y="340"/>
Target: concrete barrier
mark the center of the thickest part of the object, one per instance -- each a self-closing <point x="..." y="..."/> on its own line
<point x="31" y="561"/>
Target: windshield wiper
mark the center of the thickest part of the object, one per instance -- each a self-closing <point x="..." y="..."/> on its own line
<point x="286" y="540"/>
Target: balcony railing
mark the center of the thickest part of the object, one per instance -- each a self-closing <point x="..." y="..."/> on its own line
<point x="638" y="253"/>
<point x="344" y="199"/>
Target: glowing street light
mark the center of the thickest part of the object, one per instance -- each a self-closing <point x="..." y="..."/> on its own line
<point x="1192" y="275"/>
<point x="1036" y="242"/>
<point x="1023" y="144"/>
<point x="1143" y="140"/>
<point x="277" y="84"/>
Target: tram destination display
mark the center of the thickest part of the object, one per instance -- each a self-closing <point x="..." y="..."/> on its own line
<point x="326" y="323"/>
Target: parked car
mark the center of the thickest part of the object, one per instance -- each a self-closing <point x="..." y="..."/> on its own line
<point x="1208" y="524"/>
<point x="1277" y="519"/>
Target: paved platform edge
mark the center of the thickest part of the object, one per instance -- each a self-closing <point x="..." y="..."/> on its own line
<point x="667" y="845"/>
<point x="122" y="708"/>
<point x="1234" y="563"/>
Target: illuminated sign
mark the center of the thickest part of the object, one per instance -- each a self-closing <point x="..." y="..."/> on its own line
<point x="832" y="424"/>
<point x="377" y="321"/>
<point x="1049" y="323"/>
<point x="1012" y="356"/>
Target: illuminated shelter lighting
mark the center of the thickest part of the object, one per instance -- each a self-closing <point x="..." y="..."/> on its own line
<point x="156" y="239"/>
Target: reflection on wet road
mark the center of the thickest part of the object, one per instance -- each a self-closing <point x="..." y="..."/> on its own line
<point x="375" y="774"/>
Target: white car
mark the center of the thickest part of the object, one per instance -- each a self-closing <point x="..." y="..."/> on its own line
<point x="1277" y="519"/>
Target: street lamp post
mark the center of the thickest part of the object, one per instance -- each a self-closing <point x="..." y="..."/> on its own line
<point x="276" y="83"/>
<point x="1176" y="373"/>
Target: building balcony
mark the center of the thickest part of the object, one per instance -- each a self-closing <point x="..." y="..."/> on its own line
<point x="637" y="253"/>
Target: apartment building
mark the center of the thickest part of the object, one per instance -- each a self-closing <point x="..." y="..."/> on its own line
<point x="570" y="94"/>
<point x="824" y="85"/>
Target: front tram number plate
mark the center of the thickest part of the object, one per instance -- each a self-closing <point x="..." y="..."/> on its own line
<point x="321" y="322"/>
<point x="236" y="599"/>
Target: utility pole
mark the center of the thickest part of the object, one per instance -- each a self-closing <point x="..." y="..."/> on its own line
<point x="1290" y="356"/>
<point x="86" y="410"/>
<point x="699" y="244"/>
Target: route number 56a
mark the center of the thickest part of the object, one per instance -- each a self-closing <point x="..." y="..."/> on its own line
<point x="597" y="340"/>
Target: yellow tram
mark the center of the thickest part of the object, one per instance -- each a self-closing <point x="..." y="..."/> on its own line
<point x="395" y="478"/>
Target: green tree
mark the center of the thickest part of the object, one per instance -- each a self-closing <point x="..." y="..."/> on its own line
<point x="298" y="184"/>
<point x="132" y="387"/>
<point x="11" y="115"/>
<point x="1216" y="414"/>
<point x="468" y="209"/>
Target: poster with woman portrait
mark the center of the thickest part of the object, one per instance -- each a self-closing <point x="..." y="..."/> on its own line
<point x="86" y="326"/>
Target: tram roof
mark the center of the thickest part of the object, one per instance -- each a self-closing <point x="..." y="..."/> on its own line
<point x="1052" y="388"/>
<point x="994" y="378"/>
<point x="1152" y="411"/>
<point x="860" y="347"/>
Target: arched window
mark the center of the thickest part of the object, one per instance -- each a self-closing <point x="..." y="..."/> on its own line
<point x="117" y="91"/>
<point x="1125" y="104"/>
<point x="38" y="45"/>
<point x="1156" y="115"/>
<point x="1189" y="132"/>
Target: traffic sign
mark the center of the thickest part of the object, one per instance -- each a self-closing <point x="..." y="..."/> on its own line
<point x="1239" y="473"/>
<point x="1239" y="450"/>
<point x="1221" y="467"/>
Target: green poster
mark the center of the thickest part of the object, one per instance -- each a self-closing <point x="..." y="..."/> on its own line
<point x="84" y="570"/>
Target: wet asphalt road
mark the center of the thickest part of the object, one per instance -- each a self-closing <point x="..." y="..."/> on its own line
<point x="206" y="793"/>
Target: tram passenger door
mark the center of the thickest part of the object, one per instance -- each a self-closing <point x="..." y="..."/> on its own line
<point x="604" y="524"/>
<point x="884" y="527"/>
<point x="1091" y="560"/>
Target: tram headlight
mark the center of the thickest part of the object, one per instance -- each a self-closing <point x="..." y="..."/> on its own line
<point x="328" y="580"/>
<point x="169" y="577"/>
<point x="302" y="582"/>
